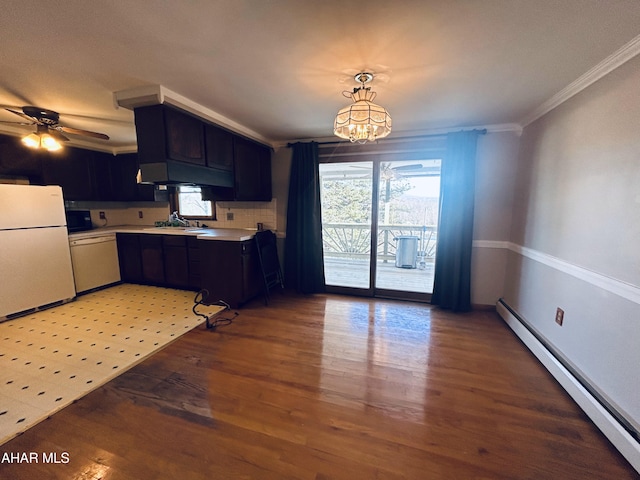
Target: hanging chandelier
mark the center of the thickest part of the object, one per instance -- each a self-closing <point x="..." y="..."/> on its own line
<point x="363" y="120"/>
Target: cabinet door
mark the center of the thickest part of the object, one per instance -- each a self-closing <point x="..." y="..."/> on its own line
<point x="230" y="271"/>
<point x="264" y="160"/>
<point x="219" y="148"/>
<point x="184" y="137"/>
<point x="152" y="259"/>
<point x="221" y="271"/>
<point x="101" y="170"/>
<point x="193" y="252"/>
<point x="129" y="257"/>
<point x="150" y="134"/>
<point x="123" y="175"/>
<point x="124" y="169"/>
<point x="252" y="171"/>
<point x="71" y="168"/>
<point x="164" y="133"/>
<point x="176" y="261"/>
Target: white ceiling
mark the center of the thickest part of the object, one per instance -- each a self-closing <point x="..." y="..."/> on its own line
<point x="278" y="67"/>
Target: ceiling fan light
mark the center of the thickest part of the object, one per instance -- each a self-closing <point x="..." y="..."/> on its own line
<point x="32" y="140"/>
<point x="49" y="143"/>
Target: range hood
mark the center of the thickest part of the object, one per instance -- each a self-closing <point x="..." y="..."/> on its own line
<point x="175" y="173"/>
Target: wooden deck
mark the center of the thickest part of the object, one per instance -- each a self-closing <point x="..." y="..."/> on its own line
<point x="323" y="387"/>
<point x="355" y="273"/>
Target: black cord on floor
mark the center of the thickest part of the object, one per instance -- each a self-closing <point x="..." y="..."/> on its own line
<point x="201" y="298"/>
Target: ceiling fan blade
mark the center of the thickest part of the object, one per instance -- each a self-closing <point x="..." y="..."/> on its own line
<point x="16" y="123"/>
<point x="57" y="135"/>
<point x="32" y="121"/>
<point x="86" y="133"/>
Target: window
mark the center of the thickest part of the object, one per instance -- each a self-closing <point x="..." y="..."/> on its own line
<point x="189" y="203"/>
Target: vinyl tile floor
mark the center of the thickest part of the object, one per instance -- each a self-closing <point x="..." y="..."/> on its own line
<point x="53" y="357"/>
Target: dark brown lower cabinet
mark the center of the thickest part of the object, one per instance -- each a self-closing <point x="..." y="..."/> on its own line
<point x="163" y="260"/>
<point x="152" y="259"/>
<point x="193" y="252"/>
<point x="176" y="261"/>
<point x="129" y="257"/>
<point x="230" y="271"/>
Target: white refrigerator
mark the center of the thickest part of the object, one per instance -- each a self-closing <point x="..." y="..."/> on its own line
<point x="35" y="262"/>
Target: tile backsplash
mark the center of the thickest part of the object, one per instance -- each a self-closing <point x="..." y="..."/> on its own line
<point x="246" y="215"/>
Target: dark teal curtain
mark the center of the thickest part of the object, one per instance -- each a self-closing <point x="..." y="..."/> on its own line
<point x="452" y="280"/>
<point x="304" y="266"/>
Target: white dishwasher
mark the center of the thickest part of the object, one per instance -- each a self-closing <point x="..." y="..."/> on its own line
<point x="95" y="261"/>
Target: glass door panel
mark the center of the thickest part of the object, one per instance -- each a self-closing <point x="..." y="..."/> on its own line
<point x="346" y="197"/>
<point x="408" y="206"/>
<point x="392" y="205"/>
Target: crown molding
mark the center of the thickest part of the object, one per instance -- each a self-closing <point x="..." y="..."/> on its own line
<point x="401" y="136"/>
<point x="157" y="94"/>
<point x="613" y="61"/>
<point x="491" y="128"/>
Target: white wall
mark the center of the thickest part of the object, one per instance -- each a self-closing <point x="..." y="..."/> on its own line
<point x="496" y="168"/>
<point x="576" y="234"/>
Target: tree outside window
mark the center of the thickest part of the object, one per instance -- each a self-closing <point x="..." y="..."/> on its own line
<point x="190" y="203"/>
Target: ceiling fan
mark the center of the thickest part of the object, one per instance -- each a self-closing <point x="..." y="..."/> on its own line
<point x="48" y="121"/>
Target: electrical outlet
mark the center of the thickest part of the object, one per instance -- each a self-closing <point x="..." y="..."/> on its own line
<point x="103" y="216"/>
<point x="140" y="214"/>
<point x="559" y="316"/>
<point x="229" y="215"/>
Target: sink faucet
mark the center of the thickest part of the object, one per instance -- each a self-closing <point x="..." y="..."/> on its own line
<point x="175" y="218"/>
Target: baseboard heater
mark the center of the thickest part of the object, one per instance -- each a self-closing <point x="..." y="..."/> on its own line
<point x="612" y="423"/>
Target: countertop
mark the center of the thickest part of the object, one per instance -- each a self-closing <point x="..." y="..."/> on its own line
<point x="226" y="234"/>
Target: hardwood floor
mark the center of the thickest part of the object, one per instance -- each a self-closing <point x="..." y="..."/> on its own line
<point x="328" y="387"/>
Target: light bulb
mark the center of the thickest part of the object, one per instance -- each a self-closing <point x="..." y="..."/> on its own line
<point x="49" y="142"/>
<point x="32" y="140"/>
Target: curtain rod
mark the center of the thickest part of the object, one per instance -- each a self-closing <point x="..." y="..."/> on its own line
<point x="482" y="131"/>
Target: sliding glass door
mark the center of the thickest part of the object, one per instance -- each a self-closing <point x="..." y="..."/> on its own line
<point x="347" y="214"/>
<point x="379" y="226"/>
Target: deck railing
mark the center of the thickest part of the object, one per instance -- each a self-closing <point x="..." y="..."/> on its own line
<point x="350" y="240"/>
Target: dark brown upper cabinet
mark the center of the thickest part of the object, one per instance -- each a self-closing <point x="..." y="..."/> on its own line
<point x="73" y="170"/>
<point x="171" y="148"/>
<point x="18" y="160"/>
<point x="124" y="169"/>
<point x="252" y="171"/>
<point x="175" y="147"/>
<point x="165" y="133"/>
<point x="84" y="175"/>
<point x="219" y="147"/>
<point x="252" y="174"/>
